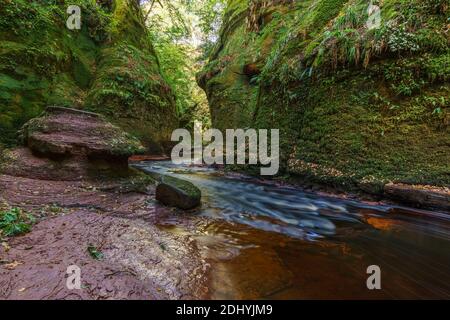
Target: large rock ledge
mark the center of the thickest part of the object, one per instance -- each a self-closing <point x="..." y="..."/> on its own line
<point x="69" y="144"/>
<point x="58" y="178"/>
<point x="68" y="132"/>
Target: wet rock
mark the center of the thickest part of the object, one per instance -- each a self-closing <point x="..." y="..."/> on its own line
<point x="140" y="261"/>
<point x="372" y="186"/>
<point x="423" y="196"/>
<point x="69" y="132"/>
<point x="178" y="193"/>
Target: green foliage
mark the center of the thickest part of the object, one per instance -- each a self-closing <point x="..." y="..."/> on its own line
<point x="15" y="221"/>
<point x="172" y="28"/>
<point x="350" y="102"/>
<point x="94" y="252"/>
<point x="184" y="21"/>
<point x="109" y="65"/>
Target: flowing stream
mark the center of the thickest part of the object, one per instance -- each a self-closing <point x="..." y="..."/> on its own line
<point x="266" y="240"/>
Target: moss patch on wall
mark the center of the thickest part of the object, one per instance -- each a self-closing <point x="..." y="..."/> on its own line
<point x="108" y="66"/>
<point x="353" y="104"/>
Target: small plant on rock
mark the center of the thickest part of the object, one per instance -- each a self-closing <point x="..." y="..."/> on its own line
<point x="15" y="222"/>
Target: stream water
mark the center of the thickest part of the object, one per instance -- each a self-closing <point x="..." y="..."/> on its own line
<point x="266" y="240"/>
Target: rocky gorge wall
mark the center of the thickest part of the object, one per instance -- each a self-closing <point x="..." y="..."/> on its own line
<point x="354" y="105"/>
<point x="109" y="66"/>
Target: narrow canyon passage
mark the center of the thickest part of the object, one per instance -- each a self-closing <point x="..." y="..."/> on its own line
<point x="354" y="96"/>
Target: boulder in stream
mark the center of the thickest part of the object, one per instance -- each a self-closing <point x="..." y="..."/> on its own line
<point x="178" y="193"/>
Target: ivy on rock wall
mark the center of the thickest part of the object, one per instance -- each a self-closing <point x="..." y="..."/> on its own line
<point x="108" y="66"/>
<point x="354" y="103"/>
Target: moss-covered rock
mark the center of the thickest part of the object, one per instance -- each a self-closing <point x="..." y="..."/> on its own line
<point x="108" y="66"/>
<point x="352" y="103"/>
<point x="178" y="193"/>
<point x="128" y="87"/>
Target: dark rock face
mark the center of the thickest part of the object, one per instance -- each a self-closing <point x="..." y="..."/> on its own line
<point x="178" y="193"/>
<point x="424" y="196"/>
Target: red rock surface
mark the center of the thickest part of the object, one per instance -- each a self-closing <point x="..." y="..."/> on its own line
<point x="74" y="178"/>
<point x="69" y="132"/>
<point x="139" y="158"/>
<point x="141" y="261"/>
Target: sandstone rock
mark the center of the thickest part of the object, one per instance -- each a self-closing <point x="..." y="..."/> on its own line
<point x="70" y="132"/>
<point x="21" y="162"/>
<point x="423" y="196"/>
<point x="178" y="193"/>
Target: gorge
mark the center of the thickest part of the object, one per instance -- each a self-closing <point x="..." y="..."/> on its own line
<point x="87" y="116"/>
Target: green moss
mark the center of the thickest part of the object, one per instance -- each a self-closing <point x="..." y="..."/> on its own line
<point x="126" y="145"/>
<point x="182" y="185"/>
<point x="109" y="66"/>
<point x="351" y="104"/>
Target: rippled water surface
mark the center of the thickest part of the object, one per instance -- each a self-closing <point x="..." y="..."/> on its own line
<point x="270" y="241"/>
